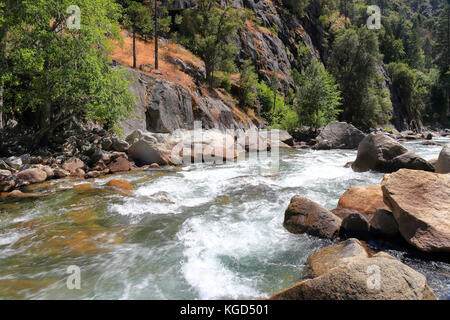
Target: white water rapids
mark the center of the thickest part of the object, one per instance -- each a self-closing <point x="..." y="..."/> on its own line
<point x="204" y="232"/>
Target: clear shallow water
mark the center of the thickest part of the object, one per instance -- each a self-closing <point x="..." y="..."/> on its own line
<point x="203" y="232"/>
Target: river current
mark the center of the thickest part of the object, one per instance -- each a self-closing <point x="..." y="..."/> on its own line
<point x="199" y="232"/>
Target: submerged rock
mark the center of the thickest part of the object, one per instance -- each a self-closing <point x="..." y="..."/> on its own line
<point x="382" y="153"/>
<point x="443" y="162"/>
<point x="306" y="216"/>
<point x="420" y="202"/>
<point x="121" y="184"/>
<point x="339" y="135"/>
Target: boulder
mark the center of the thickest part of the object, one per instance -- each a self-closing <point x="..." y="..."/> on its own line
<point x="420" y="202"/>
<point x="380" y="277"/>
<point x="383" y="224"/>
<point x="31" y="176"/>
<point x="381" y="153"/>
<point x="5" y="166"/>
<point x="327" y="258"/>
<point x="148" y="148"/>
<point x="7" y="181"/>
<point x="14" y="162"/>
<point x="120" y="164"/>
<point x="339" y="135"/>
<point x="355" y="225"/>
<point x="72" y="165"/>
<point x="443" y="163"/>
<point x="306" y="216"/>
<point x="365" y="200"/>
<point x="17" y="194"/>
<point x="60" y="173"/>
<point x="119" y="145"/>
<point x="283" y="136"/>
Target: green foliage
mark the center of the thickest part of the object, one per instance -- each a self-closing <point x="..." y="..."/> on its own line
<point x="138" y="19"/>
<point x="279" y="114"/>
<point x="297" y="7"/>
<point x="353" y="62"/>
<point x="247" y="85"/>
<point x="63" y="73"/>
<point x="206" y="33"/>
<point x="318" y="97"/>
<point x="412" y="85"/>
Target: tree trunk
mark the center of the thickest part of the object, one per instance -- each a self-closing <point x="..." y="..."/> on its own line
<point x="156" y="36"/>
<point x="1" y="106"/>
<point x="134" y="49"/>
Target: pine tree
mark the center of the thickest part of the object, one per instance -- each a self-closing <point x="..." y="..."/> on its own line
<point x="137" y="19"/>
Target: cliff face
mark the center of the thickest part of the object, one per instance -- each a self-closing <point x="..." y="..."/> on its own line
<point x="168" y="102"/>
<point x="165" y="106"/>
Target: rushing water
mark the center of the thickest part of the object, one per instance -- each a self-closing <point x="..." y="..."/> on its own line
<point x="202" y="232"/>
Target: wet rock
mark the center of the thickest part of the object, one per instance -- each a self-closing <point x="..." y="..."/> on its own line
<point x="121" y="184"/>
<point x="383" y="224"/>
<point x="339" y="135"/>
<point x="306" y="216"/>
<point x="358" y="280"/>
<point x="17" y="194"/>
<point x="381" y="153"/>
<point x="443" y="163"/>
<point x="327" y="258"/>
<point x="420" y="202"/>
<point x="365" y="200"/>
<point x="31" y="176"/>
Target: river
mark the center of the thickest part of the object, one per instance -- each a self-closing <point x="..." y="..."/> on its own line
<point x="199" y="232"/>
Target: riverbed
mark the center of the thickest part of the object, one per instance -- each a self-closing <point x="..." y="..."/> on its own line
<point x="198" y="232"/>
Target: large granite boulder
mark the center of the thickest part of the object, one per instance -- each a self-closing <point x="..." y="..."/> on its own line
<point x="443" y="162"/>
<point x="181" y="146"/>
<point x="420" y="202"/>
<point x="306" y="216"/>
<point x="327" y="258"/>
<point x="339" y="135"/>
<point x="380" y="277"/>
<point x="365" y="200"/>
<point x="381" y="153"/>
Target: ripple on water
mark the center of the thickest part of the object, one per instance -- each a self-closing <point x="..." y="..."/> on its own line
<point x="205" y="232"/>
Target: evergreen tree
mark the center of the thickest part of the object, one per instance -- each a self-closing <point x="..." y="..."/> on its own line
<point x="355" y="56"/>
<point x="137" y="19"/>
<point x="207" y="32"/>
<point x="247" y="85"/>
<point x="318" y="97"/>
